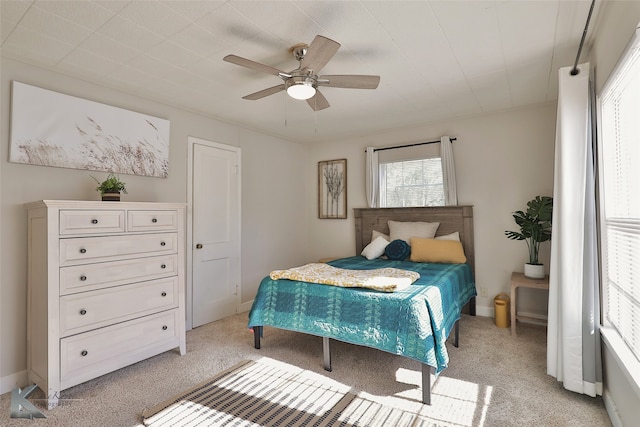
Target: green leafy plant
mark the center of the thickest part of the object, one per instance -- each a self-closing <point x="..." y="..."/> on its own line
<point x="535" y="225"/>
<point x="110" y="185"/>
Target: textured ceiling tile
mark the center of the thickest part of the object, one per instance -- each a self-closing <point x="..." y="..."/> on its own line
<point x="54" y="26"/>
<point x="83" y="13"/>
<point x="228" y="24"/>
<point x="6" y="28"/>
<point x="471" y="28"/>
<point x="114" y="6"/>
<point x="86" y="65"/>
<point x="155" y="17"/>
<point x="193" y="9"/>
<point x="99" y="44"/>
<point x="35" y="47"/>
<point x="13" y="11"/>
<point x="197" y="39"/>
<point x="172" y="53"/>
<point x="126" y="32"/>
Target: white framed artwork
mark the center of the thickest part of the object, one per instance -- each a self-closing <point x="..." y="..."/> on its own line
<point x="53" y="129"/>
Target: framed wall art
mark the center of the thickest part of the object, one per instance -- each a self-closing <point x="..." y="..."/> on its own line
<point x="332" y="189"/>
<point x="53" y="129"/>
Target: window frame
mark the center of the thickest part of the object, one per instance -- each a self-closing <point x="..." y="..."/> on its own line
<point x="619" y="349"/>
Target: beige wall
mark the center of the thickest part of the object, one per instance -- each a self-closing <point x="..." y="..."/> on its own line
<point x="614" y="28"/>
<point x="502" y="161"/>
<point x="272" y="197"/>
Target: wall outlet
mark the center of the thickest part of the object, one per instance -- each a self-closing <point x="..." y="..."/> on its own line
<point x="483" y="292"/>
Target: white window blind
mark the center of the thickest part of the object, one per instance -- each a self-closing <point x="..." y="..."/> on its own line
<point x="620" y="184"/>
<point x="411" y="177"/>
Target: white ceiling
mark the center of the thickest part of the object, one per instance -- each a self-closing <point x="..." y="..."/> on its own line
<point x="437" y="60"/>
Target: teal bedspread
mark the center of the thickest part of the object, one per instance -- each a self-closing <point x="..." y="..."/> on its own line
<point x="414" y="322"/>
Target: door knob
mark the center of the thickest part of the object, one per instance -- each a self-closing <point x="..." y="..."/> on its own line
<point x="199" y="246"/>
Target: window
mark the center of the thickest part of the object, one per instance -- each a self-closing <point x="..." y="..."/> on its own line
<point x="411" y="176"/>
<point x="411" y="183"/>
<point x="620" y="201"/>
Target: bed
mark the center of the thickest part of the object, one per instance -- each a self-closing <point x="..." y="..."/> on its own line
<point x="413" y="322"/>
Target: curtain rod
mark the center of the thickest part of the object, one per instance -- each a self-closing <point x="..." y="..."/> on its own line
<point x="410" y="145"/>
<point x="575" y="70"/>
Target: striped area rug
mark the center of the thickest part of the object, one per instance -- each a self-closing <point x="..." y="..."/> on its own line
<point x="271" y="393"/>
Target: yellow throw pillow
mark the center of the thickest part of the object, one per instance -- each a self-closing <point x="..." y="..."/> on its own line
<point x="432" y="250"/>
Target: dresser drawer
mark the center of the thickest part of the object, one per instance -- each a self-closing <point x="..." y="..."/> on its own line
<point x="91" y="222"/>
<point x="90" y="310"/>
<point x="86" y="356"/>
<point x="152" y="220"/>
<point x="95" y="249"/>
<point x="87" y="277"/>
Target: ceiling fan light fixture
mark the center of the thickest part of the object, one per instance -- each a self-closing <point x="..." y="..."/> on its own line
<point x="301" y="89"/>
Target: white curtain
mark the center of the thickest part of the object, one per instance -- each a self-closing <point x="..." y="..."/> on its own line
<point x="372" y="181"/>
<point x="573" y="339"/>
<point x="448" y="172"/>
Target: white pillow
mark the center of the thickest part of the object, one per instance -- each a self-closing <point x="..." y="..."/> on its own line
<point x="453" y="236"/>
<point x="375" y="249"/>
<point x="406" y="230"/>
<point x="375" y="234"/>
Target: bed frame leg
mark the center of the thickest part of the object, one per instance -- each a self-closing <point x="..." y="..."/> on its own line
<point x="257" y="333"/>
<point x="326" y="353"/>
<point x="426" y="384"/>
<point x="456" y="338"/>
<point x="472" y="306"/>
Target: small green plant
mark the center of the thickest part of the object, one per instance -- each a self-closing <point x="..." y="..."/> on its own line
<point x="110" y="185"/>
<point x="535" y="225"/>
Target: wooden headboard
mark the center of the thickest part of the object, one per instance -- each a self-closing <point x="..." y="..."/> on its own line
<point x="451" y="219"/>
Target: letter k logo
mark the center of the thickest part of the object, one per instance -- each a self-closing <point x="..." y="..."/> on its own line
<point x="21" y="407"/>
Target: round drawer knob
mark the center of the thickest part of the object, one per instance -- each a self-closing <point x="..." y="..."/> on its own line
<point x="164" y="294"/>
<point x="163" y="266"/>
<point x="83" y="251"/>
<point x="164" y="328"/>
<point x="163" y="244"/>
<point x="83" y="312"/>
<point x="154" y="220"/>
<point x="84" y="352"/>
<point x="83" y="278"/>
<point x="94" y="221"/>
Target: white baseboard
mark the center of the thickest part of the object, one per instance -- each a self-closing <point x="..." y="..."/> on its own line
<point x="245" y="306"/>
<point x="611" y="410"/>
<point x="484" y="311"/>
<point x="10" y="382"/>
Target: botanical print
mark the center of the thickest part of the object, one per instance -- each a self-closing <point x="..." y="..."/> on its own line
<point x="332" y="189"/>
<point x="53" y="129"/>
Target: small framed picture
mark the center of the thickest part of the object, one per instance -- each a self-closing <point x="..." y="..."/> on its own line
<point x="332" y="189"/>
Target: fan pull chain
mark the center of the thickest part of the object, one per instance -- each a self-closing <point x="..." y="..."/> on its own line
<point x="315" y="114"/>
<point x="285" y="109"/>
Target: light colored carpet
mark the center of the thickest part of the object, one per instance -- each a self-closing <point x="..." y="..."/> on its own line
<point x="493" y="379"/>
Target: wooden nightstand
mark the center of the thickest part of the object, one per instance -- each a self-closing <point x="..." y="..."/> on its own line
<point x="520" y="280"/>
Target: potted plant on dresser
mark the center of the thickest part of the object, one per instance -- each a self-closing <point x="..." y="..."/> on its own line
<point x="535" y="228"/>
<point x="111" y="188"/>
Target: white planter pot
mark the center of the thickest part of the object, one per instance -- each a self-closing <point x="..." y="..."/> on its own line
<point x="534" y="271"/>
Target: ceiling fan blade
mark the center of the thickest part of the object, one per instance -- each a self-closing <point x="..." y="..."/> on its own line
<point x="351" y="81"/>
<point x="319" y="52"/>
<point x="264" y="92"/>
<point x="254" y="65"/>
<point x="318" y="102"/>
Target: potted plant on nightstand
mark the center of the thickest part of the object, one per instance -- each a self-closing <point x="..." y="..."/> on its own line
<point x="111" y="188"/>
<point x="535" y="228"/>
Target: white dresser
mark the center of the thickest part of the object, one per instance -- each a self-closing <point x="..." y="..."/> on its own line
<point x="105" y="288"/>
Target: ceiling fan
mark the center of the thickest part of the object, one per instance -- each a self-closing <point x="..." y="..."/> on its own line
<point x="303" y="82"/>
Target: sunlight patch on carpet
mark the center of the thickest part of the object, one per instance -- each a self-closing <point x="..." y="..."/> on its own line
<point x="272" y="393"/>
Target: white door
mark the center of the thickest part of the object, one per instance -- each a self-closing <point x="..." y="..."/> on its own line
<point x="215" y="239"/>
